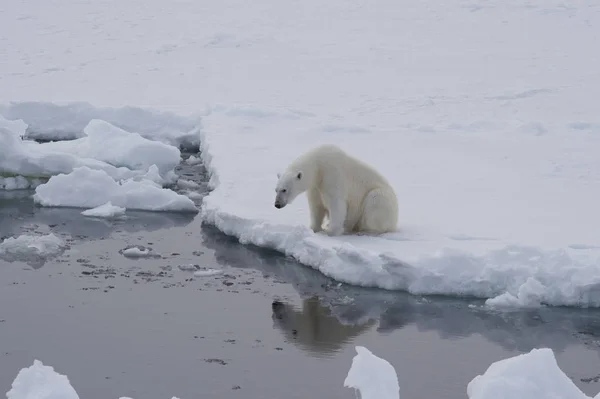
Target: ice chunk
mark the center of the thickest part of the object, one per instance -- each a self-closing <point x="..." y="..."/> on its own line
<point x="26" y="246"/>
<point x="187" y="184"/>
<point x="373" y="376"/>
<point x="41" y="382"/>
<point x="107" y="143"/>
<point x="122" y="155"/>
<point x="107" y="210"/>
<point x="530" y="294"/>
<point x="89" y="188"/>
<point x="532" y="375"/>
<point x="192" y="160"/>
<point x="207" y="272"/>
<point x="138" y="251"/>
<point x="15" y="183"/>
<point x="48" y="121"/>
<point x="33" y="160"/>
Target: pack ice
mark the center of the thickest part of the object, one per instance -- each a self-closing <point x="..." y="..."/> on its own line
<point x="103" y="165"/>
<point x="483" y="116"/>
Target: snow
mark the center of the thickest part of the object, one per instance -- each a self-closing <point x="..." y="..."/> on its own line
<point x="107" y="210"/>
<point x="490" y="139"/>
<point x="27" y="246"/>
<point x="373" y="376"/>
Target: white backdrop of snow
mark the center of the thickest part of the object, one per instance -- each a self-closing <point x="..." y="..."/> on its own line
<point x="490" y="139"/>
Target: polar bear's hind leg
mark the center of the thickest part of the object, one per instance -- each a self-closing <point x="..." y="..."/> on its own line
<point x="380" y="212"/>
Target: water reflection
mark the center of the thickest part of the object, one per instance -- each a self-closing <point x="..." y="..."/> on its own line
<point x="313" y="328"/>
<point x="333" y="314"/>
<point x="19" y="215"/>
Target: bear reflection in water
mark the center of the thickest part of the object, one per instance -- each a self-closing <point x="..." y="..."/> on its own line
<point x="313" y="328"/>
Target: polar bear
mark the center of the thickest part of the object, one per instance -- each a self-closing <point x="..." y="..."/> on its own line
<point x="351" y="194"/>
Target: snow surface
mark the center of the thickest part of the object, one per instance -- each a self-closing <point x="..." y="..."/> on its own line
<point x="490" y="139"/>
<point x="107" y="210"/>
<point x="373" y="376"/>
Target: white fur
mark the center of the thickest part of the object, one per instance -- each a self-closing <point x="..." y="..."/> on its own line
<point x="351" y="194"/>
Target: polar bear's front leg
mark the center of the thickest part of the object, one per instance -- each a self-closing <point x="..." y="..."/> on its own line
<point x="337" y="216"/>
<point x="317" y="210"/>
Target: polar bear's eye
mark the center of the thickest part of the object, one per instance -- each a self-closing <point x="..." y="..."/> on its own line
<point x="284" y="190"/>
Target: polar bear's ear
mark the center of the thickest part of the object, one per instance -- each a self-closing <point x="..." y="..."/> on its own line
<point x="278" y="175"/>
<point x="299" y="175"/>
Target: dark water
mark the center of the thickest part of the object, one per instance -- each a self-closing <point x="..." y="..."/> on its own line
<point x="265" y="328"/>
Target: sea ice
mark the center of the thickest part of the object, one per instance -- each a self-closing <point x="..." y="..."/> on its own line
<point x="17" y="183"/>
<point x="207" y="272"/>
<point x="107" y="210"/>
<point x="25" y="246"/>
<point x="89" y="188"/>
<point x="124" y="168"/>
<point x="192" y="160"/>
<point x="372" y="376"/>
<point x="532" y="375"/>
<point x="453" y="237"/>
<point x="41" y="382"/>
<point x="107" y="143"/>
<point x="47" y="121"/>
<point x="490" y="140"/>
<point x="139" y="252"/>
<point x="32" y="159"/>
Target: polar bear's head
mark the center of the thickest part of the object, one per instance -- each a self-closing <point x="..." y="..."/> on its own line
<point x="289" y="185"/>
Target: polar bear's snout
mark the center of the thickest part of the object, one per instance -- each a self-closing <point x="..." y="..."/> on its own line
<point x="280" y="201"/>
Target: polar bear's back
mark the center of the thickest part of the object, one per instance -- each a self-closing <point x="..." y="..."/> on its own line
<point x="356" y="172"/>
